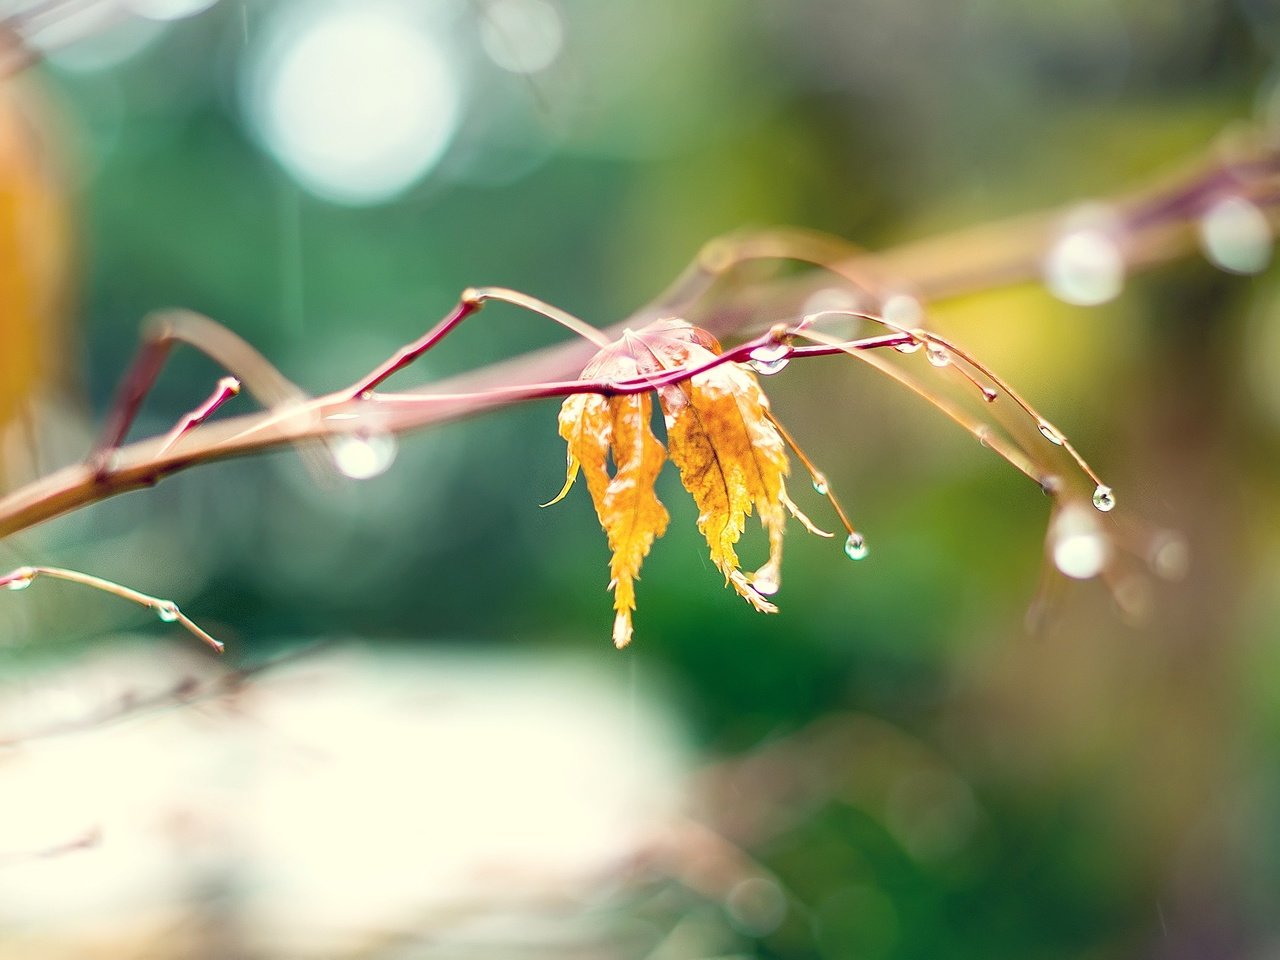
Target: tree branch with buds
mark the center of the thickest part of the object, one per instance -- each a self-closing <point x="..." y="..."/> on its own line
<point x="670" y="348"/>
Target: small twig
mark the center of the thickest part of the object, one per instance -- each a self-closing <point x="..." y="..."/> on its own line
<point x="471" y="301"/>
<point x="227" y="388"/>
<point x="165" y="610"/>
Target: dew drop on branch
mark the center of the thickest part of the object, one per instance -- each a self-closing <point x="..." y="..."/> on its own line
<point x="1236" y="236"/>
<point x="770" y="358"/>
<point x="1104" y="499"/>
<point x="1049" y="433"/>
<point x="765" y="583"/>
<point x="938" y="355"/>
<point x="361" y="456"/>
<point x="167" y="611"/>
<point x="820" y="485"/>
<point x="21" y="578"/>
<point x="855" y="548"/>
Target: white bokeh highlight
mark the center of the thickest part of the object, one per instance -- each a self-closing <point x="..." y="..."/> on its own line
<point x="522" y="36"/>
<point x="357" y="101"/>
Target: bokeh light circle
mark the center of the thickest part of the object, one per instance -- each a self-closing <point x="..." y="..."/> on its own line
<point x="522" y="36"/>
<point x="356" y="101"/>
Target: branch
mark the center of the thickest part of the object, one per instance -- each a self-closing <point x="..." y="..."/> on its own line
<point x="1147" y="227"/>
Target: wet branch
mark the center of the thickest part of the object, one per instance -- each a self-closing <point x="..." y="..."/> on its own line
<point x="1144" y="228"/>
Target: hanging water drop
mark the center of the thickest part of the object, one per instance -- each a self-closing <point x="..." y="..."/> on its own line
<point x="765" y="582"/>
<point x="855" y="548"/>
<point x="1104" y="499"/>
<point x="908" y="346"/>
<point x="770" y="358"/>
<point x="938" y="355"/>
<point x="21" y="578"/>
<point x="820" y="486"/>
<point x="990" y="394"/>
<point x="1049" y="433"/>
<point x="364" y="455"/>
<point x="167" y="611"/>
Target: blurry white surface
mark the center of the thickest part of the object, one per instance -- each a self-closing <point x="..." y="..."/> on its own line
<point x="342" y="797"/>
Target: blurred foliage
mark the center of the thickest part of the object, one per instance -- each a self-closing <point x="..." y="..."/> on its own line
<point x="1121" y="778"/>
<point x="35" y="252"/>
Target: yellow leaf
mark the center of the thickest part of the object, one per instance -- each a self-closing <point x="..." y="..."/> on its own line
<point x="594" y="428"/>
<point x="730" y="456"/>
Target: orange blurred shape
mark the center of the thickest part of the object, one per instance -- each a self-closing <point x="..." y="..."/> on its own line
<point x="34" y="249"/>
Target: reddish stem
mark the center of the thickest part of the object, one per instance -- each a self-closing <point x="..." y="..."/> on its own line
<point x="467" y="305"/>
<point x="227" y="388"/>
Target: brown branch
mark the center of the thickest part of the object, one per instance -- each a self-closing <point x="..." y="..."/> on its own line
<point x="1153" y="225"/>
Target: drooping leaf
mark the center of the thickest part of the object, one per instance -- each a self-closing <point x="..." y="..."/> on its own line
<point x="597" y="427"/>
<point x="730" y="456"/>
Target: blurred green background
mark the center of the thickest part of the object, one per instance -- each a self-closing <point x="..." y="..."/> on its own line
<point x="930" y="779"/>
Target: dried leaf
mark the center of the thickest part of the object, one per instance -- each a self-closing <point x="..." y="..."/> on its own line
<point x="731" y="457"/>
<point x="596" y="427"/>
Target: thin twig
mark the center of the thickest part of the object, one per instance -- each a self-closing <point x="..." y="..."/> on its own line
<point x="166" y="610"/>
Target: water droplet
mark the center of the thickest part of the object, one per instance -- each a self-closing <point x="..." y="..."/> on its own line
<point x="1104" y="499"/>
<point x="21" y="578"/>
<point x="1236" y="236"/>
<point x="820" y="485"/>
<point x="765" y="582"/>
<point x="1169" y="556"/>
<point x="983" y="433"/>
<point x="167" y="611"/>
<point x="910" y="346"/>
<point x="1049" y="433"/>
<point x="1085" y="265"/>
<point x="364" y="455"/>
<point x="938" y="355"/>
<point x="770" y="358"/>
<point x="855" y="548"/>
<point x="902" y="310"/>
<point x="1079" y="548"/>
<point x="990" y="394"/>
